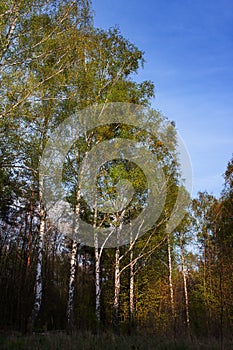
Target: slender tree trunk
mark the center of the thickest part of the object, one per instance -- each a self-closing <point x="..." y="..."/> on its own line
<point x="171" y="284"/>
<point x="185" y="287"/>
<point x="131" y="285"/>
<point x="38" y="285"/>
<point x="131" y="293"/>
<point x="97" y="284"/>
<point x="74" y="252"/>
<point x="11" y="31"/>
<point x="70" y="304"/>
<point x="97" y="267"/>
<point x="116" y="290"/>
<point x="73" y="265"/>
<point x="30" y="234"/>
<point x="117" y="284"/>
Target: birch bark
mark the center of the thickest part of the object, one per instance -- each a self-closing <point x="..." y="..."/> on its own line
<point x="185" y="286"/>
<point x="171" y="289"/>
<point x="131" y="284"/>
<point x="97" y="266"/>
<point x="73" y="265"/>
<point x="38" y="284"/>
<point x="117" y="281"/>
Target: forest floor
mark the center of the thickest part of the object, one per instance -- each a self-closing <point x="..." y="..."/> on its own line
<point x="105" y="341"/>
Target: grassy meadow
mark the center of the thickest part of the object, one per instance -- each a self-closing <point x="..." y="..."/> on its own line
<point x="105" y="341"/>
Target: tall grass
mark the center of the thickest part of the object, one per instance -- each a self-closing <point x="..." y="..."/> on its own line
<point x="105" y="341"/>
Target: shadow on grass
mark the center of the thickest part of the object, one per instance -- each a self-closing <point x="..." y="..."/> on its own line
<point x="105" y="341"/>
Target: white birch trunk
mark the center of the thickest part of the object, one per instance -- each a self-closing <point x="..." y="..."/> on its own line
<point x="11" y="31"/>
<point x="131" y="283"/>
<point x="170" y="276"/>
<point x="73" y="265"/>
<point x="171" y="282"/>
<point x="38" y="284"/>
<point x="97" y="284"/>
<point x="131" y="291"/>
<point x="70" y="304"/>
<point x="74" y="252"/>
<point x="185" y="286"/>
<point x="117" y="285"/>
<point x="97" y="267"/>
<point x="117" y="280"/>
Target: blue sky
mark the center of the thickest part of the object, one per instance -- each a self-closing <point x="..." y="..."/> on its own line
<point x="188" y="49"/>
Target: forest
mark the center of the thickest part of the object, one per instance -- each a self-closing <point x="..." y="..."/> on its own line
<point x="163" y="289"/>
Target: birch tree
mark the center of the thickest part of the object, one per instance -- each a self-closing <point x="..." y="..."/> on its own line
<point x="36" y="56"/>
<point x="117" y="59"/>
<point x="171" y="287"/>
<point x="184" y="275"/>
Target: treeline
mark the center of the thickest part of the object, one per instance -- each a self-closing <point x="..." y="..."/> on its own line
<point x="53" y="62"/>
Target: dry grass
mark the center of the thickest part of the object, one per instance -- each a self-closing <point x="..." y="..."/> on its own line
<point x="105" y="341"/>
